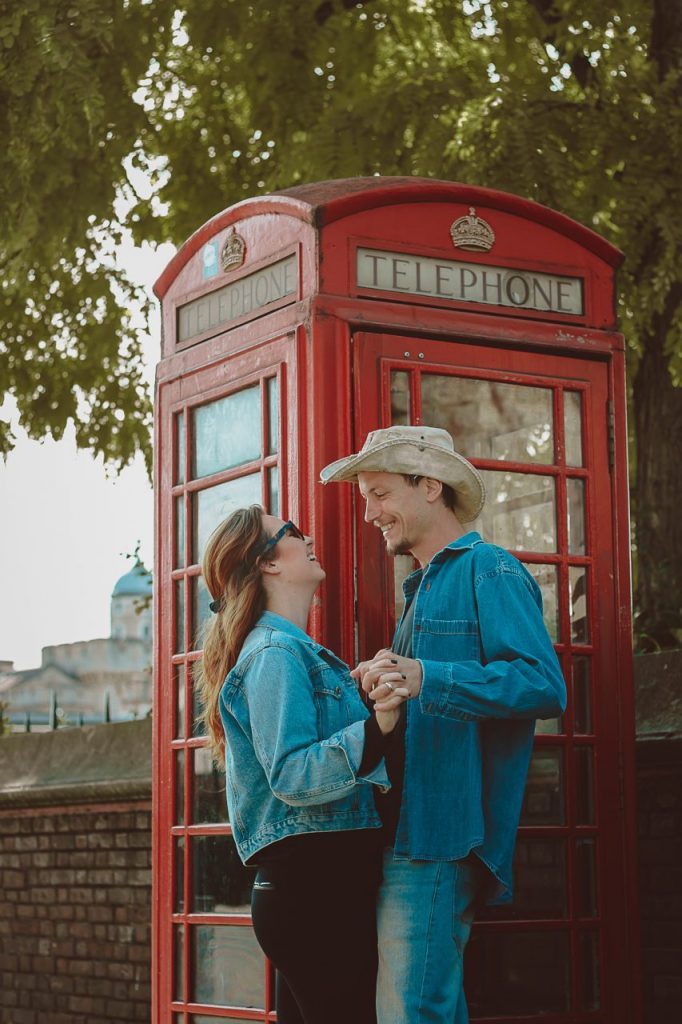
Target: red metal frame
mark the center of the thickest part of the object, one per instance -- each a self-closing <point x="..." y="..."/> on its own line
<point x="333" y="344"/>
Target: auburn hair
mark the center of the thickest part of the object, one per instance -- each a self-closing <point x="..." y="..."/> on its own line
<point x="231" y="571"/>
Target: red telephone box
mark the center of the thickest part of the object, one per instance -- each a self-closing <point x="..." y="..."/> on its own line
<point x="292" y="325"/>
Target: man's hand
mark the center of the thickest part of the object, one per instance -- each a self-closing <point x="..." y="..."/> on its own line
<point x="389" y="679"/>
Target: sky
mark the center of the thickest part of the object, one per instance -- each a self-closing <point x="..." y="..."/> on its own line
<point x="67" y="523"/>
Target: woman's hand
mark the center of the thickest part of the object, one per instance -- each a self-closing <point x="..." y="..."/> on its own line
<point x="387" y="720"/>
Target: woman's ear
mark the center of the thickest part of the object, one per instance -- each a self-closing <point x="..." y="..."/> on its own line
<point x="271" y="568"/>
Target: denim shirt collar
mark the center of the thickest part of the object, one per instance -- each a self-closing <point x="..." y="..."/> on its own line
<point x="463" y="543"/>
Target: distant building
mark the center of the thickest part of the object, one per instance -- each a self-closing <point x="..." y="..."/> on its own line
<point x="91" y="680"/>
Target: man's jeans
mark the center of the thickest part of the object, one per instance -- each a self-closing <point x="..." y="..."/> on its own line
<point x="425" y="911"/>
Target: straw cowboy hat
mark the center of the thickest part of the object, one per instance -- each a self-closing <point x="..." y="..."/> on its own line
<point x="421" y="451"/>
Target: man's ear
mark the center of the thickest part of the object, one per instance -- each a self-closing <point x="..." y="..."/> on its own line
<point x="433" y="488"/>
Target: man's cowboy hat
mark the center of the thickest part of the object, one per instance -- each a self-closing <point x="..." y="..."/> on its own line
<point x="421" y="451"/>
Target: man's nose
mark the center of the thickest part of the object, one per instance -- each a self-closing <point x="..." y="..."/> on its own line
<point x="370" y="511"/>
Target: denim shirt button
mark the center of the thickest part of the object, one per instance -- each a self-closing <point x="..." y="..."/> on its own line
<point x="427" y="586"/>
<point x="337" y="691"/>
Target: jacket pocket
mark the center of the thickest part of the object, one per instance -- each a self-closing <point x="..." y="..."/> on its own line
<point x="329" y="703"/>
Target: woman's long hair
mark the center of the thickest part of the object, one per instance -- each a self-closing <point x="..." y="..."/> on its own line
<point x="231" y="570"/>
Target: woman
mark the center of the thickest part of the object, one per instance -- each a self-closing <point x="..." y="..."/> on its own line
<point x="294" y="732"/>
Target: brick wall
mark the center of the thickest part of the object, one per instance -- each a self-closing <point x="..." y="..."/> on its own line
<point x="75" y="876"/>
<point x="659" y="784"/>
<point x="75" y="819"/>
<point x="75" y="913"/>
<point x="658" y="689"/>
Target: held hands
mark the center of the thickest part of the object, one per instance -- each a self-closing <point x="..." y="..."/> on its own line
<point x="389" y="679"/>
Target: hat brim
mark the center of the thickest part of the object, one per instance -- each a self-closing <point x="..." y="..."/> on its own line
<point x="395" y="456"/>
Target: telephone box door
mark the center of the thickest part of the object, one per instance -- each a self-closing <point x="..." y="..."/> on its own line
<point x="534" y="425"/>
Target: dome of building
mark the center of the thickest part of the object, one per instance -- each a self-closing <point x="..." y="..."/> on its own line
<point x="136" y="583"/>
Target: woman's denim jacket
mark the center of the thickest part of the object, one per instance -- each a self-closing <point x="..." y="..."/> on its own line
<point x="489" y="670"/>
<point x="293" y="721"/>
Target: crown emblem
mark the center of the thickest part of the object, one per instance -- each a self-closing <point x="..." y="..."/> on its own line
<point x="472" y="233"/>
<point x="233" y="251"/>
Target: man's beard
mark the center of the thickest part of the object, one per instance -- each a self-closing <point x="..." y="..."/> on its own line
<point x="403" y="547"/>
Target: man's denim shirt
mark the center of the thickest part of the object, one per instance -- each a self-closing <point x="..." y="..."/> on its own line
<point x="489" y="670"/>
<point x="293" y="721"/>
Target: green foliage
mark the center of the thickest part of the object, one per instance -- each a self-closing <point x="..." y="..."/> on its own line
<point x="574" y="103"/>
<point x="70" y="343"/>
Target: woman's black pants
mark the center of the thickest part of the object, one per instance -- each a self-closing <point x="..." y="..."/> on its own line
<point x="318" y="927"/>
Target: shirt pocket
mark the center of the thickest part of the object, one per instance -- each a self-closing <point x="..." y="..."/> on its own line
<point x="449" y="639"/>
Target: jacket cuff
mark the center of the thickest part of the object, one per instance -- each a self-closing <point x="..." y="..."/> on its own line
<point x="352" y="742"/>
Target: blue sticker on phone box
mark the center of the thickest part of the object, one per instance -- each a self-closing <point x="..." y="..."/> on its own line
<point x="210" y="259"/>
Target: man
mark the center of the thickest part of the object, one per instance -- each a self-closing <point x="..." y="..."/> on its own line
<point x="473" y="665"/>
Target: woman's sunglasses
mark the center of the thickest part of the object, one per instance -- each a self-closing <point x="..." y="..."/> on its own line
<point x="289" y="528"/>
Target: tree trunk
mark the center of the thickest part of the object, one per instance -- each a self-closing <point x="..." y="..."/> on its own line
<point x="658" y="429"/>
<point x="658" y="493"/>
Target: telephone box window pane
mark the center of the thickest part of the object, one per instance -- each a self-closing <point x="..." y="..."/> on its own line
<point x="180" y="448"/>
<point x="589" y="954"/>
<point x="179" y="532"/>
<point x="543" y="801"/>
<point x="540" y="878"/>
<point x="201" y="613"/>
<point x="400" y="398"/>
<point x="203" y="1019"/>
<point x="274" y="491"/>
<point x="584" y="786"/>
<point x="575" y="500"/>
<point x="179" y="866"/>
<point x="519" y="974"/>
<point x="273" y="416"/>
<point x="520" y="511"/>
<point x="179" y="685"/>
<point x="221" y="883"/>
<point x="227" y="432"/>
<point x="209" y="802"/>
<point x="547" y="726"/>
<point x="587" y="877"/>
<point x="491" y="420"/>
<point x="582" y="696"/>
<point x="180" y="787"/>
<point x="213" y="505"/>
<point x="546" y="578"/>
<point x="573" y="428"/>
<point x="227" y="966"/>
<point x="198" y="727"/>
<point x="179" y="616"/>
<point x="577" y="604"/>
<point x="178" y="956"/>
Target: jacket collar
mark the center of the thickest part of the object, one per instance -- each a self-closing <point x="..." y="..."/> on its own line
<point x="463" y="543"/>
<point x="273" y="621"/>
<point x="283" y="625"/>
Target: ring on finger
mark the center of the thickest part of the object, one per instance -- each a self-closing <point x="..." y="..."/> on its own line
<point x="389" y="685"/>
